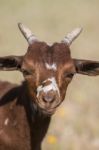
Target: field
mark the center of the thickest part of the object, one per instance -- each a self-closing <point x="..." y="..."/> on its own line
<point x="75" y="126"/>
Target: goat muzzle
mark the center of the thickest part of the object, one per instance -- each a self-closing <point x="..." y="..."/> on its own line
<point x="48" y="97"/>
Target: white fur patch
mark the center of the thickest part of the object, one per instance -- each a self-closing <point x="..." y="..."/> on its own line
<point x="51" y="66"/>
<point x="52" y="86"/>
<point x="6" y="121"/>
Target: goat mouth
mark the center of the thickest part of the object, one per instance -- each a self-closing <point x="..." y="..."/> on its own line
<point x="48" y="110"/>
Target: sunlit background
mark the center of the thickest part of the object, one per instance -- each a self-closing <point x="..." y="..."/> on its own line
<point x="75" y="126"/>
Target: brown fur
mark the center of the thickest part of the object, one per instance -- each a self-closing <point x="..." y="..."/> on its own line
<point x="24" y="117"/>
<point x="26" y="127"/>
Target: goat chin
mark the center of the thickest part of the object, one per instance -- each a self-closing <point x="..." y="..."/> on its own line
<point x="48" y="112"/>
<point x="42" y="111"/>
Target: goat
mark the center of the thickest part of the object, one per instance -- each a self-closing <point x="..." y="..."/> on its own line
<point x="26" y="109"/>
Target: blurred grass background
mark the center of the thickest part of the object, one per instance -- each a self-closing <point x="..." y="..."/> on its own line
<point x="75" y="126"/>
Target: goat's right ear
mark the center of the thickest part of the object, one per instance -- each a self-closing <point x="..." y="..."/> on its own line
<point x="10" y="63"/>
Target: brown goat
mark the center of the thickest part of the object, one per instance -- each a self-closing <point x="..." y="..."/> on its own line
<point x="25" y="110"/>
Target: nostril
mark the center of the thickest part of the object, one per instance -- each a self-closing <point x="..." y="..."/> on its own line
<point x="48" y="98"/>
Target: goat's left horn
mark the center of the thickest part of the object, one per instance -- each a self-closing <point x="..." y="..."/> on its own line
<point x="27" y="33"/>
<point x="72" y="36"/>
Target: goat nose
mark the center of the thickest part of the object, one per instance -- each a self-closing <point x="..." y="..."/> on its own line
<point x="48" y="98"/>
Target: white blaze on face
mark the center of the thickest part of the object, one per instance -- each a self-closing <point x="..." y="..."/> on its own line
<point x="52" y="86"/>
<point x="51" y="66"/>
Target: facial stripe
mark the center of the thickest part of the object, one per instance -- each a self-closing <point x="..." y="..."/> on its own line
<point x="52" y="86"/>
<point x="51" y="66"/>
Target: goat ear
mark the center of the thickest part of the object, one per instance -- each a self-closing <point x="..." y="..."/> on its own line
<point x="10" y="63"/>
<point x="87" y="67"/>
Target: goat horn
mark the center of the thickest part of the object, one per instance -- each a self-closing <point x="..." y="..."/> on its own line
<point x="72" y="36"/>
<point x="27" y="33"/>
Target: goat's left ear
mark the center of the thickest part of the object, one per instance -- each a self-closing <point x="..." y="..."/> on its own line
<point x="87" y="67"/>
<point x="10" y="63"/>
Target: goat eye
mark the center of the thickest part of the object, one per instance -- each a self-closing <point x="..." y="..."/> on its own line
<point x="69" y="75"/>
<point x="26" y="72"/>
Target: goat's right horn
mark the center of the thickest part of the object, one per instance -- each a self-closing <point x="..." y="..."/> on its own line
<point x="72" y="36"/>
<point x="27" y="33"/>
